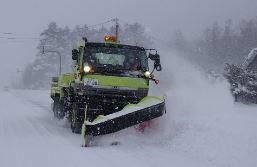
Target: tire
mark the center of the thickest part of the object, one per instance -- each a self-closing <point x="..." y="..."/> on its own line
<point x="77" y="119"/>
<point x="58" y="110"/>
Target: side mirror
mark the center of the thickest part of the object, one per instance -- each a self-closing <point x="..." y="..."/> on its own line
<point x="154" y="57"/>
<point x="157" y="62"/>
<point x="55" y="79"/>
<point x="75" y="54"/>
<point x="158" y="67"/>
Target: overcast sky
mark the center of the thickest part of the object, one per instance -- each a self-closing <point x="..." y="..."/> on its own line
<point x="27" y="18"/>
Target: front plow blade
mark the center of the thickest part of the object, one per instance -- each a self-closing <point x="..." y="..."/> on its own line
<point x="133" y="114"/>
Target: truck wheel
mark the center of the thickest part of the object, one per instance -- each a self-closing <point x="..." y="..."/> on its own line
<point x="76" y="119"/>
<point x="58" y="110"/>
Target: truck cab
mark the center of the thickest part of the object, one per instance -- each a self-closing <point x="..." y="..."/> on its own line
<point x="109" y="76"/>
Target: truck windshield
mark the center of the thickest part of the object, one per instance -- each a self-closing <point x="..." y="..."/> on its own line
<point x="116" y="60"/>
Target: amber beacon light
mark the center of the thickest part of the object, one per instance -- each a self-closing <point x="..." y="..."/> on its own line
<point x="110" y="38"/>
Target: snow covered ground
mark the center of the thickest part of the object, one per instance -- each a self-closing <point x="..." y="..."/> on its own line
<point x="203" y="127"/>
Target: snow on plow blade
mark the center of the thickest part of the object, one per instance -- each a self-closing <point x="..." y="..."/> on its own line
<point x="148" y="108"/>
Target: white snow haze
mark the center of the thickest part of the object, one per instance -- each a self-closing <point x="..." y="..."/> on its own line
<point x="27" y="18"/>
<point x="203" y="125"/>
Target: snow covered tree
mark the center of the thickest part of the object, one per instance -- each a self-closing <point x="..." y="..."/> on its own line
<point x="135" y="34"/>
<point x="221" y="44"/>
<point x="243" y="83"/>
<point x="179" y="41"/>
<point x="57" y="41"/>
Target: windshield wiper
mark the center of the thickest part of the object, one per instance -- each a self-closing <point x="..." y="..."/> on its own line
<point x="117" y="70"/>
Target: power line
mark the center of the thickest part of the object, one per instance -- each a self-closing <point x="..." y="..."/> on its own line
<point x="37" y="38"/>
<point x="99" y="24"/>
<point x="11" y="36"/>
<point x="19" y="38"/>
<point x="16" y="36"/>
<point x="6" y="33"/>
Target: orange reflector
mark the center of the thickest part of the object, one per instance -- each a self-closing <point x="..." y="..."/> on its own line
<point x="110" y="38"/>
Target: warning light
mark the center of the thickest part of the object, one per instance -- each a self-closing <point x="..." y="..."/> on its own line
<point x="110" y="38"/>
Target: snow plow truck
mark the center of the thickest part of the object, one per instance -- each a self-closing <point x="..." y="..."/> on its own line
<point x="107" y="91"/>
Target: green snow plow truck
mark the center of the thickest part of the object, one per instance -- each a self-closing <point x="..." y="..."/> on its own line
<point x="108" y="88"/>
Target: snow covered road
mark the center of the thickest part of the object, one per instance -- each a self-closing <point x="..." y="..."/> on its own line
<point x="203" y="127"/>
<point x="30" y="136"/>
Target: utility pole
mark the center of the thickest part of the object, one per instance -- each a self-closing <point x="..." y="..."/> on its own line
<point x="117" y="28"/>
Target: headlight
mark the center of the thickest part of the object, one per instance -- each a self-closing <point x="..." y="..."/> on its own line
<point x="87" y="68"/>
<point x="147" y="74"/>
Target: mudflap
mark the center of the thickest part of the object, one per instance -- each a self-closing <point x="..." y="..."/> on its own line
<point x="149" y="108"/>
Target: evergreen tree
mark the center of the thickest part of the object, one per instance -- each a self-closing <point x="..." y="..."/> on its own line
<point x="57" y="41"/>
<point x="220" y="45"/>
